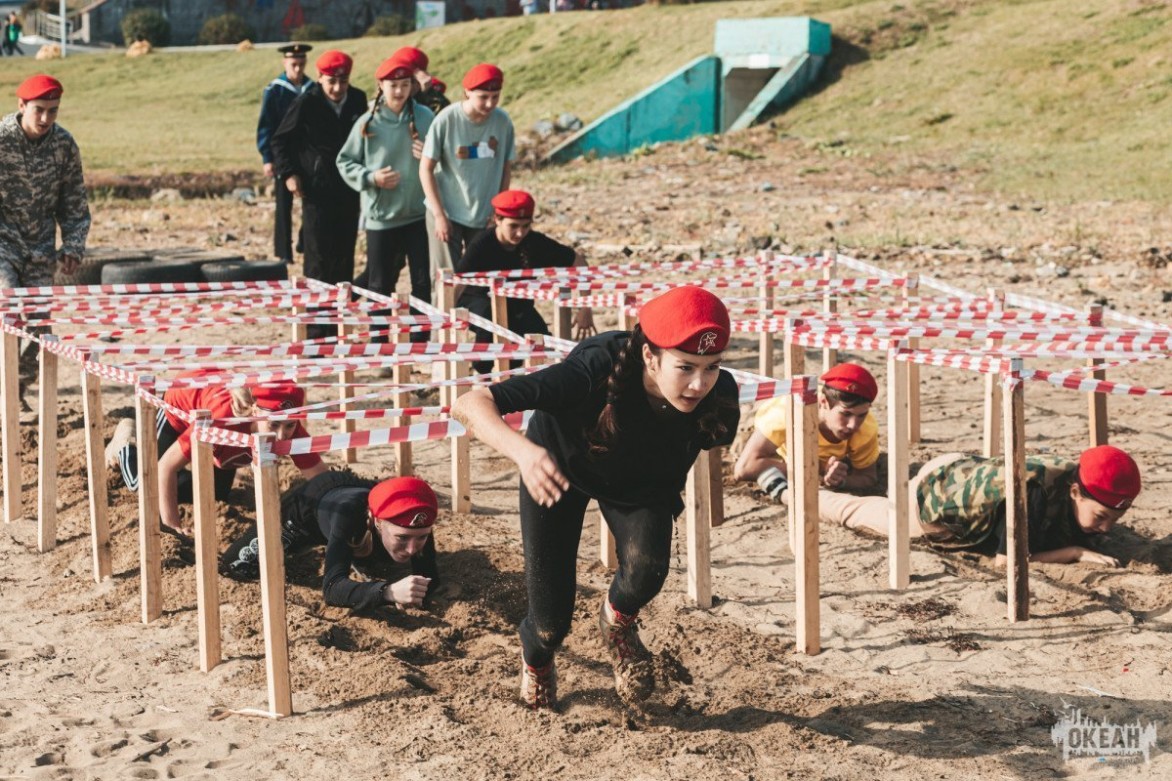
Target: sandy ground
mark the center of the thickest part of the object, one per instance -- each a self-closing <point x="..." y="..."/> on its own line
<point x="929" y="683"/>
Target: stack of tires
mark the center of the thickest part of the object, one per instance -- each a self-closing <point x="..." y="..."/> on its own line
<point x="120" y="267"/>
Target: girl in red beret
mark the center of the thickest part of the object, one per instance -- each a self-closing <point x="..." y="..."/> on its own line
<point x="174" y="443"/>
<point x="380" y="160"/>
<point x="361" y="523"/>
<point x="621" y="421"/>
<point x="513" y="244"/>
<point x="848" y="438"/>
<point x="958" y="500"/>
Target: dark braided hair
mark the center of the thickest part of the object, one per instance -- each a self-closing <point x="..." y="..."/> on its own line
<point x="628" y="374"/>
<point x="378" y="103"/>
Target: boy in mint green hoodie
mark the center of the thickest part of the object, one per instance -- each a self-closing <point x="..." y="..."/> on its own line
<point x="380" y="160"/>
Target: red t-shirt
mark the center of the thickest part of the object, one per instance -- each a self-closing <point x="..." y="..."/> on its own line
<point x="218" y="401"/>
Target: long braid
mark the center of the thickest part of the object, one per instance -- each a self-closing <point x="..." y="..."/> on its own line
<point x="378" y="102"/>
<point x="628" y="368"/>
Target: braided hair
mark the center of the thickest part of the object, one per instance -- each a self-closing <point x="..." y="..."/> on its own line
<point x="378" y="103"/>
<point x="626" y="375"/>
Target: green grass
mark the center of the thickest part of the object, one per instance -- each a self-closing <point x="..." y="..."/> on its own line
<point x="1036" y="99"/>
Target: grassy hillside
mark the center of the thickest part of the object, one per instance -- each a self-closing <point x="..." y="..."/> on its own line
<point x="1044" y="97"/>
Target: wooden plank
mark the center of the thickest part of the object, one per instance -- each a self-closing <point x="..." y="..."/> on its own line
<point x="991" y="440"/>
<point x="300" y="330"/>
<point x="608" y="552"/>
<point x="500" y="316"/>
<point x="913" y="369"/>
<point x="95" y="455"/>
<point x="10" y="425"/>
<point x="716" y="483"/>
<point x="150" y="559"/>
<point x="404" y="460"/>
<point x="461" y="463"/>
<point x="698" y="526"/>
<point x="346" y="392"/>
<point x="1096" y="402"/>
<point x="47" y="445"/>
<point x="804" y="497"/>
<point x="207" y="538"/>
<point x="830" y="307"/>
<point x="446" y="295"/>
<point x="898" y="542"/>
<point x="272" y="579"/>
<point x="765" y="300"/>
<point x="563" y="321"/>
<point x="794" y="365"/>
<point x="1017" y="548"/>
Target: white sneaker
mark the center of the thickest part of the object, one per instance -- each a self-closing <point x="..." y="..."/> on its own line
<point x="123" y="435"/>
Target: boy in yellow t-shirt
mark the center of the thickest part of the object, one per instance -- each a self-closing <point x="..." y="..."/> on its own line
<point x="848" y="436"/>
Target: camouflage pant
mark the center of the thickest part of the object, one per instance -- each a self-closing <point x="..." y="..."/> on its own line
<point x="34" y="272"/>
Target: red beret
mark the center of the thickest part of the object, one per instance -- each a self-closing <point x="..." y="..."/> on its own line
<point x="416" y="58"/>
<point x="517" y="204"/>
<point x="276" y="398"/>
<point x="395" y="67"/>
<point x="439" y="86"/>
<point x="334" y="63"/>
<point x="852" y="378"/>
<point x="40" y="87"/>
<point x="1109" y="476"/>
<point x="404" y="501"/>
<point x="686" y="318"/>
<point x="484" y="76"/>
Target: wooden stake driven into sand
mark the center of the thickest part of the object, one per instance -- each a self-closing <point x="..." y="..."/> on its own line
<point x="207" y="538"/>
<point x="913" y="369"/>
<point x="500" y="316"/>
<point x="404" y="461"/>
<point x="47" y="446"/>
<point x="150" y="561"/>
<point x="1017" y="549"/>
<point x="698" y="523"/>
<point x="461" y="459"/>
<point x="992" y="432"/>
<point x="803" y="467"/>
<point x="563" y="316"/>
<point x="898" y="543"/>
<point x="345" y="390"/>
<point x="300" y="330"/>
<point x="765" y="299"/>
<point x="795" y="364"/>
<point x="10" y="425"/>
<point x="95" y="456"/>
<point x="830" y="307"/>
<point x="272" y="577"/>
<point x="446" y="296"/>
<point x="1097" y="402"/>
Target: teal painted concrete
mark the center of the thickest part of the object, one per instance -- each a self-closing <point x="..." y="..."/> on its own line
<point x="760" y="64"/>
<point x="680" y="106"/>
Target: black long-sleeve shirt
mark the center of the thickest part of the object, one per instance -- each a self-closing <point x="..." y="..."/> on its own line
<point x="309" y="138"/>
<point x="649" y="463"/>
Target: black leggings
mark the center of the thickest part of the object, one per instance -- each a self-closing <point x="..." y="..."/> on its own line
<point x="385" y="250"/>
<point x="128" y="464"/>
<point x="551" y="535"/>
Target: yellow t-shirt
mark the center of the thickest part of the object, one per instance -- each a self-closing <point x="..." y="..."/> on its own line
<point x="861" y="450"/>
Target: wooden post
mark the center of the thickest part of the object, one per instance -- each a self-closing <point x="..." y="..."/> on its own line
<point x="563" y="321"/>
<point x="272" y="577"/>
<point x="699" y="525"/>
<point x="830" y="307"/>
<point x="150" y="560"/>
<point x="95" y="454"/>
<point x="207" y="583"/>
<point x="47" y="444"/>
<point x="627" y="321"/>
<point x="446" y="294"/>
<point x="913" y="369"/>
<point x="803" y="468"/>
<point x="404" y="462"/>
<point x="992" y="433"/>
<point x="794" y="365"/>
<point x="765" y="342"/>
<point x="10" y="425"/>
<point x="461" y="463"/>
<point x="1097" y="402"/>
<point x="716" y="481"/>
<point x="1017" y="547"/>
<point x="898" y="542"/>
<point x="345" y="392"/>
<point x="500" y="316"/>
<point x="300" y="330"/>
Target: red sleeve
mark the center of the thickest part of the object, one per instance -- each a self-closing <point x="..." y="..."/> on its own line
<point x="304" y="460"/>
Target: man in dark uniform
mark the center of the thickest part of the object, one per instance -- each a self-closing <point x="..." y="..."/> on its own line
<point x="305" y="152"/>
<point x="278" y="96"/>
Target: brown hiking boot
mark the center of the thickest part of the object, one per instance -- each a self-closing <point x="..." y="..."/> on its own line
<point x="633" y="676"/>
<point x="539" y="686"/>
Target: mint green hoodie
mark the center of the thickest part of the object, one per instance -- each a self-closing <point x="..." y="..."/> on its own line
<point x="389" y="144"/>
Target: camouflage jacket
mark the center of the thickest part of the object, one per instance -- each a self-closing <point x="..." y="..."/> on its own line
<point x="968" y="498"/>
<point x="41" y="187"/>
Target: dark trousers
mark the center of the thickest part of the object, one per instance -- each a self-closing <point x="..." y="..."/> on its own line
<point x="128" y="464"/>
<point x="329" y="230"/>
<point x="550" y="537"/>
<point x="523" y="319"/>
<point x="283" y="222"/>
<point x="385" y="254"/>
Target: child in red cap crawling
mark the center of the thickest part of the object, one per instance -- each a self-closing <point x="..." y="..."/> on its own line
<point x="621" y="420"/>
<point x="360" y="522"/>
<point x="174" y="440"/>
<point x="959" y="500"/>
<point x="848" y="440"/>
